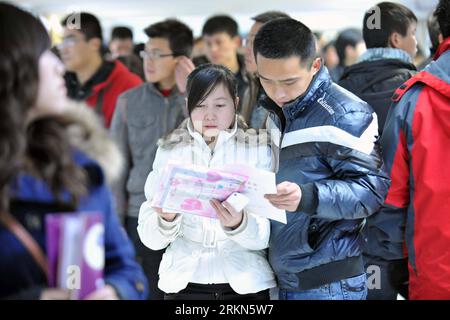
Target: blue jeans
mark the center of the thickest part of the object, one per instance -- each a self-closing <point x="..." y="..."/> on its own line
<point x="348" y="289"/>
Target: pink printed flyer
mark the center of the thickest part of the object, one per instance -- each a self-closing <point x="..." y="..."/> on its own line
<point x="188" y="189"/>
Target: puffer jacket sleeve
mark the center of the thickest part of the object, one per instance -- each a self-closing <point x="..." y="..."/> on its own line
<point x="394" y="142"/>
<point x="254" y="231"/>
<point x="252" y="234"/>
<point x="359" y="184"/>
<point x="154" y="232"/>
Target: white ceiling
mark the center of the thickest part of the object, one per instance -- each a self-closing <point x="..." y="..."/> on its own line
<point x="325" y="15"/>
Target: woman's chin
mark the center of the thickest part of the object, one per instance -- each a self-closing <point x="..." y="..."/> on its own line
<point x="211" y="133"/>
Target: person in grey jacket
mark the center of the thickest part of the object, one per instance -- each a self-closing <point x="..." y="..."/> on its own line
<point x="145" y="114"/>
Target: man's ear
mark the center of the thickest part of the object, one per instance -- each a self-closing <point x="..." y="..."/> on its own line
<point x="237" y="41"/>
<point x="440" y="38"/>
<point x="236" y="103"/>
<point x="95" y="44"/>
<point x="394" y="40"/>
<point x="315" y="67"/>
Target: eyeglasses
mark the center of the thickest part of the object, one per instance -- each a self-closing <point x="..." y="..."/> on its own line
<point x="68" y="42"/>
<point x="154" y="55"/>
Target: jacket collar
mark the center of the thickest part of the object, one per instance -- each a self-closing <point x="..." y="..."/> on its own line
<point x="444" y="46"/>
<point x="374" y="54"/>
<point x="118" y="70"/>
<point x="224" y="135"/>
<point x="98" y="81"/>
<point x="152" y="87"/>
<point x="242" y="72"/>
<point x="321" y="80"/>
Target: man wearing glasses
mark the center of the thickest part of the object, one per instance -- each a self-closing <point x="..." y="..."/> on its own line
<point x="145" y="114"/>
<point x="89" y="77"/>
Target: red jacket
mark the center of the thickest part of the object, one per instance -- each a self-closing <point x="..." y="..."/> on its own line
<point x="119" y="81"/>
<point x="416" y="150"/>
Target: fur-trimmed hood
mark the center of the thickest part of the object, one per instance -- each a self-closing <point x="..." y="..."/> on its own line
<point x="251" y="138"/>
<point x="87" y="134"/>
<point x="184" y="133"/>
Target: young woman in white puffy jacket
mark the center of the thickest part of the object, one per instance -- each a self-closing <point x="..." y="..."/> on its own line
<point x="209" y="258"/>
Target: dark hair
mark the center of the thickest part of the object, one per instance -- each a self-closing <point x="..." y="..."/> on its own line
<point x="330" y="44"/>
<point x="394" y="17"/>
<point x="220" y="23"/>
<point x="178" y="34"/>
<point x="138" y="48"/>
<point x="347" y="37"/>
<point x="89" y="24"/>
<point x="122" y="33"/>
<point x="134" y="64"/>
<point x="433" y="31"/>
<point x="283" y="38"/>
<point x="50" y="152"/>
<point x="443" y="16"/>
<point x="202" y="81"/>
<point x="23" y="40"/>
<point x="21" y="148"/>
<point x="269" y="16"/>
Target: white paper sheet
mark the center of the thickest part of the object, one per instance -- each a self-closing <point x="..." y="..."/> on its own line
<point x="260" y="182"/>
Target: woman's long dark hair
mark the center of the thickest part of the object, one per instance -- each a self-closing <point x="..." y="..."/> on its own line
<point x="23" y="39"/>
<point x="49" y="157"/>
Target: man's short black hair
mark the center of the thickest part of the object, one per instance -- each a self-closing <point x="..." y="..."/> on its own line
<point x="122" y="33"/>
<point x="178" y="34"/>
<point x="284" y="38"/>
<point x="394" y="17"/>
<point x="433" y="31"/>
<point x="220" y="23"/>
<point x="269" y="16"/>
<point x="347" y="37"/>
<point x="89" y="25"/>
<point x="443" y="16"/>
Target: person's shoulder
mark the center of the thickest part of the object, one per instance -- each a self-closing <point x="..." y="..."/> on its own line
<point x="179" y="137"/>
<point x="343" y="102"/>
<point x="350" y="113"/>
<point x="124" y="77"/>
<point x="138" y="90"/>
<point x="93" y="170"/>
<point x="138" y="96"/>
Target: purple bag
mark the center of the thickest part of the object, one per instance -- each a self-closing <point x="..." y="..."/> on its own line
<point x="76" y="252"/>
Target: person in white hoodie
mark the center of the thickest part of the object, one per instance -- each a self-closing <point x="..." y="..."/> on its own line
<point x="207" y="258"/>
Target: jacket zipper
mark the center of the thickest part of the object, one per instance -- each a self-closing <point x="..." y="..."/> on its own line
<point x="166" y="116"/>
<point x="210" y="231"/>
<point x="211" y="155"/>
